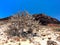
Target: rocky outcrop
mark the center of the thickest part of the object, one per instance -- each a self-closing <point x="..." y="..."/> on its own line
<point x="44" y="20"/>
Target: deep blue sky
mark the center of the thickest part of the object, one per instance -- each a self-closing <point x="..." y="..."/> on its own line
<point x="49" y="7"/>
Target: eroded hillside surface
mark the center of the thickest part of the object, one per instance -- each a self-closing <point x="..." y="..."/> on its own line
<point x="25" y="30"/>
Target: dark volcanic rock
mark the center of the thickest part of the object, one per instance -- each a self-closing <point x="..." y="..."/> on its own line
<point x="51" y="43"/>
<point x="3" y="19"/>
<point x="44" y="20"/>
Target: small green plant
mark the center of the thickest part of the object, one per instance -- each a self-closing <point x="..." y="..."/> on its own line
<point x="58" y="29"/>
<point x="19" y="44"/>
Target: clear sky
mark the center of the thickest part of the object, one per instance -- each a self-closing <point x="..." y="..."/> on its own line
<point x="49" y="7"/>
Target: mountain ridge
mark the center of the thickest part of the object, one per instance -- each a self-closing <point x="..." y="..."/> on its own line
<point x="42" y="18"/>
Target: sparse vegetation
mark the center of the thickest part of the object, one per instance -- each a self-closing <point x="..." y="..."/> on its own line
<point x="22" y="23"/>
<point x="25" y="30"/>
